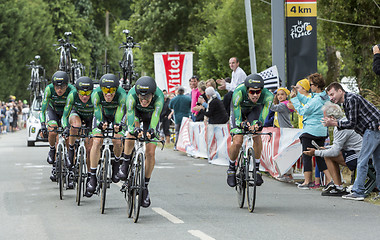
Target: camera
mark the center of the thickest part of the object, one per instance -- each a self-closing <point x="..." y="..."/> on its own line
<point x="198" y="104"/>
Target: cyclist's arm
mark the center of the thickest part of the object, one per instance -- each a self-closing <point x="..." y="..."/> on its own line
<point x="267" y="103"/>
<point x="45" y="104"/>
<point x="237" y="98"/>
<point x="158" y="105"/>
<point x="97" y="108"/>
<point x="67" y="110"/>
<point x="130" y="104"/>
<point x="120" y="109"/>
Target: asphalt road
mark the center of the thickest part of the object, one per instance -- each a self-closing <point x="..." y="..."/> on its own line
<point x="190" y="200"/>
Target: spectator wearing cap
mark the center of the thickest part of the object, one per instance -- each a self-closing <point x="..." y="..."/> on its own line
<point x="303" y="87"/>
<point x="282" y="108"/>
<point x="180" y="106"/>
<point x="344" y="151"/>
<point x="215" y="111"/>
<point x="313" y="130"/>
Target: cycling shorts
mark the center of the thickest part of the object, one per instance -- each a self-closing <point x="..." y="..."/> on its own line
<point x="53" y="117"/>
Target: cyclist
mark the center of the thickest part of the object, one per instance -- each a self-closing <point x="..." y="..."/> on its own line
<point x="251" y="102"/>
<point x="144" y="104"/>
<point x="79" y="110"/>
<point x="52" y="110"/>
<point x="109" y="104"/>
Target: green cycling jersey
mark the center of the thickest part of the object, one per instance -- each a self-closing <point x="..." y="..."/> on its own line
<point x="155" y="107"/>
<point x="113" y="108"/>
<point x="242" y="104"/>
<point x="84" y="110"/>
<point x="51" y="98"/>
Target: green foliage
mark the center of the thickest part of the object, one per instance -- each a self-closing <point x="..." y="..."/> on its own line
<point x="353" y="42"/>
<point x="230" y="38"/>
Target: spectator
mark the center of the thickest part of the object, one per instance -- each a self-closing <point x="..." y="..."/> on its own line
<point x="215" y="111"/>
<point x="180" y="106"/>
<point x="194" y="94"/>
<point x="313" y="128"/>
<point x="19" y="114"/>
<point x="364" y="118"/>
<point x="344" y="151"/>
<point x="164" y="121"/>
<point x="238" y="77"/>
<point x="282" y="108"/>
<point x="211" y="83"/>
<point x="376" y="59"/>
<point x="202" y="100"/>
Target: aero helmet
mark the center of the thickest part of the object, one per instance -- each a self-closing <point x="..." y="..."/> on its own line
<point x="109" y="81"/>
<point x="84" y="84"/>
<point x="60" y="78"/>
<point x="145" y="85"/>
<point x="254" y="81"/>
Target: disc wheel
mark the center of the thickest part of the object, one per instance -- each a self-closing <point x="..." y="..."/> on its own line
<point x="104" y="183"/>
<point x="139" y="182"/>
<point x="59" y="170"/>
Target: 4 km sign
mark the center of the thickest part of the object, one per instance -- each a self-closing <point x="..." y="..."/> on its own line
<point x="301" y="39"/>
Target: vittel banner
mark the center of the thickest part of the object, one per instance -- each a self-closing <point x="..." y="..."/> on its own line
<point x="173" y="69"/>
<point x="301" y="39"/>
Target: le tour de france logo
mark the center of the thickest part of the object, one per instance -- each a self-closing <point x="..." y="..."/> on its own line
<point x="301" y="29"/>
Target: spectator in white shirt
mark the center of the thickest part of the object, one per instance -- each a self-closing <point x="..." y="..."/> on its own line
<point x="238" y="77"/>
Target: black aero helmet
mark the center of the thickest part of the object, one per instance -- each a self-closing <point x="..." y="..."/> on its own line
<point x="254" y="81"/>
<point x="60" y="78"/>
<point x="84" y="84"/>
<point x="145" y="85"/>
<point x="109" y="81"/>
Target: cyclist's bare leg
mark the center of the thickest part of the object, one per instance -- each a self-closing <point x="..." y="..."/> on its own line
<point x="235" y="147"/>
<point x="257" y="146"/>
<point x="117" y="145"/>
<point x="150" y="159"/>
<point x="74" y="121"/>
<point x="126" y="158"/>
<point x="88" y="145"/>
<point x="52" y="138"/>
<point x="95" y="151"/>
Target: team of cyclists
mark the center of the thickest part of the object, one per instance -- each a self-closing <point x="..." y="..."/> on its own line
<point x="81" y="105"/>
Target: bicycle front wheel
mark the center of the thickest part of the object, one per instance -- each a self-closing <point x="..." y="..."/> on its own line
<point x="240" y="180"/>
<point x="104" y="176"/>
<point x="81" y="163"/>
<point x="59" y="170"/>
<point x="140" y="184"/>
<point x="251" y="179"/>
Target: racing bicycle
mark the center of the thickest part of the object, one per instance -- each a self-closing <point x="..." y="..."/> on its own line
<point x="65" y="60"/>
<point x="60" y="163"/>
<point x="135" y="183"/>
<point x="126" y="63"/>
<point x="103" y="173"/>
<point x="77" y="69"/>
<point x="80" y="167"/>
<point x="246" y="175"/>
<point x="38" y="81"/>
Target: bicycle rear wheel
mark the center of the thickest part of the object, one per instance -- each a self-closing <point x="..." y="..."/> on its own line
<point x="240" y="180"/>
<point x="104" y="175"/>
<point x="81" y="174"/>
<point x="59" y="170"/>
<point x="251" y="179"/>
<point x="140" y="184"/>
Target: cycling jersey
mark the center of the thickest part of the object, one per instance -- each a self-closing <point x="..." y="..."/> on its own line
<point x="109" y="110"/>
<point x="153" y="110"/>
<point x="56" y="103"/>
<point x="74" y="104"/>
<point x="243" y="107"/>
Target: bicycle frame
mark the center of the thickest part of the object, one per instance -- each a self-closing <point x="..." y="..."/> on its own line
<point x="65" y="61"/>
<point x="126" y="63"/>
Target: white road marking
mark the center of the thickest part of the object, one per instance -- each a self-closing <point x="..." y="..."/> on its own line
<point x="200" y="235"/>
<point x="167" y="215"/>
<point x="199" y="164"/>
<point x="160" y="167"/>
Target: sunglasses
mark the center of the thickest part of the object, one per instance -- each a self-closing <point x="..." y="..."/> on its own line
<point x="60" y="86"/>
<point x="84" y="93"/>
<point x="106" y="90"/>
<point x="257" y="92"/>
<point x="145" y="97"/>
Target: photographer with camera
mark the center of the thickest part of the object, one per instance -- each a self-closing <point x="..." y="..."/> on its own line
<point x="376" y="59"/>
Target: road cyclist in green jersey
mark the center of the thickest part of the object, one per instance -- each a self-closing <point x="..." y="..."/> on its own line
<point x="78" y="112"/>
<point x="109" y="104"/>
<point x="52" y="110"/>
<point x="144" y="105"/>
<point x="251" y="103"/>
